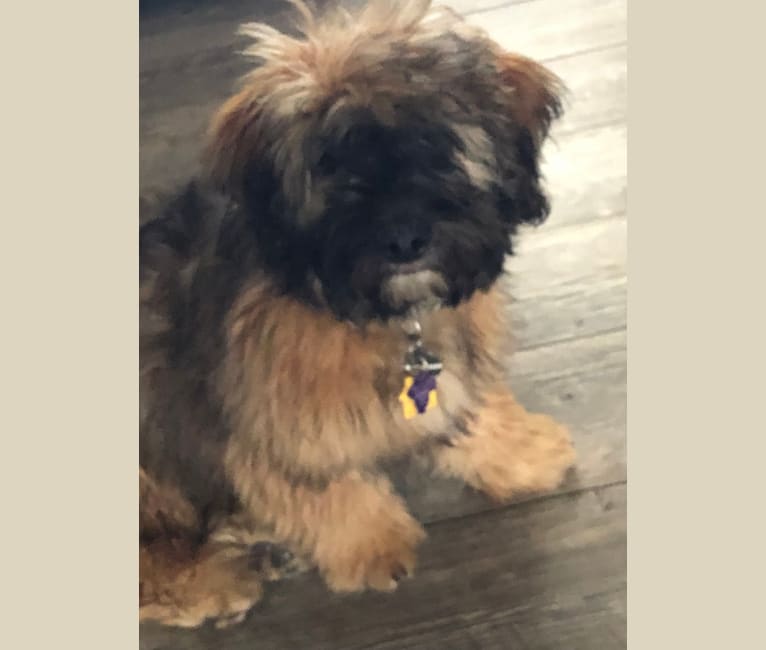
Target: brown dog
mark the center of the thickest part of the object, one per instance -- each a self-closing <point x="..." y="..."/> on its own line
<point x="329" y="302"/>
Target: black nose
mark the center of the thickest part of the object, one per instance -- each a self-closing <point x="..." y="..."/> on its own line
<point x="406" y="242"/>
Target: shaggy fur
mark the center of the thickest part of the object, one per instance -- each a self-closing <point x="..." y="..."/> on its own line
<point x="373" y="165"/>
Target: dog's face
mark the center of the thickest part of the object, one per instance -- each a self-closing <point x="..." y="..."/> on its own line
<point x="386" y="160"/>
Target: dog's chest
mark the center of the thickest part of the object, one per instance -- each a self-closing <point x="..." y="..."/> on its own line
<point x="312" y="389"/>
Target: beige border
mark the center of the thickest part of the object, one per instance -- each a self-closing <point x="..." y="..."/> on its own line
<point x="696" y="190"/>
<point x="70" y="325"/>
<point x="70" y="360"/>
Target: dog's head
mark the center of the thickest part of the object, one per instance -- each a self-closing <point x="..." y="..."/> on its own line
<point x="385" y="159"/>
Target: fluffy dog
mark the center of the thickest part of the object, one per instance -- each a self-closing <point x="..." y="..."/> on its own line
<point x="298" y="304"/>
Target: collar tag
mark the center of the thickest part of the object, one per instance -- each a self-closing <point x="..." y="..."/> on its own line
<point x="421" y="368"/>
<point x="418" y="394"/>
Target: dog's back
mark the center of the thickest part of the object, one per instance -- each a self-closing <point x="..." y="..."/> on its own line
<point x="191" y="263"/>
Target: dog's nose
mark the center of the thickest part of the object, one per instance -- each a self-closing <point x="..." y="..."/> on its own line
<point x="407" y="242"/>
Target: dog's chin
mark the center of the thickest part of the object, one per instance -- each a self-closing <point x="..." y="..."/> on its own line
<point x="387" y="293"/>
<point x="412" y="288"/>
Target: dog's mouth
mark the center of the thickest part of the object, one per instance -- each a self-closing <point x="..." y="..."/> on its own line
<point x="386" y="289"/>
<point x="414" y="285"/>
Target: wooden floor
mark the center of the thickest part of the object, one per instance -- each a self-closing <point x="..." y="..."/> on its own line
<point x="548" y="573"/>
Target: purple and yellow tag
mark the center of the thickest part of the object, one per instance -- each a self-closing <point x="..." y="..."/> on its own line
<point x="418" y="394"/>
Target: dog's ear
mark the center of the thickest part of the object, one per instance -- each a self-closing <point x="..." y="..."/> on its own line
<point x="537" y="93"/>
<point x="234" y="139"/>
<point x="534" y="102"/>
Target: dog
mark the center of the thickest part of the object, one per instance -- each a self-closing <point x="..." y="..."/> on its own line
<point x="325" y="298"/>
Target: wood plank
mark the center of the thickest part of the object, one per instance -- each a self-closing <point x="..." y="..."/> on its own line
<point x="583" y="384"/>
<point x="469" y="7"/>
<point x="539" y="576"/>
<point x="586" y="174"/>
<point x="597" y="88"/>
<point x="568" y="282"/>
<point x="157" y="13"/>
<point x="199" y="31"/>
<point x="548" y="29"/>
<point x="171" y="30"/>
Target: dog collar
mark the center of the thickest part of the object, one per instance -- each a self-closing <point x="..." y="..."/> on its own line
<point x="421" y="368"/>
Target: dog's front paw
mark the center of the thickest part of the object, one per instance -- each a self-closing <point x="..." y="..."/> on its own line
<point x="535" y="461"/>
<point x="373" y="555"/>
<point x="509" y="451"/>
<point x="217" y="583"/>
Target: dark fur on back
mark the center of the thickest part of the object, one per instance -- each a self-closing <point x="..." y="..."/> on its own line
<point x="194" y="257"/>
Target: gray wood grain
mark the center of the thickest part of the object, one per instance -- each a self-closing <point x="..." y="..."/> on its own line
<point x="547" y="29"/>
<point x="597" y="88"/>
<point x="583" y="384"/>
<point x="586" y="175"/>
<point x="568" y="282"/>
<point x="545" y="575"/>
<point x="469" y="7"/>
<point x="197" y="34"/>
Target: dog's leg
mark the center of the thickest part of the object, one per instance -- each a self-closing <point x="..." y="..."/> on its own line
<point x="182" y="583"/>
<point x="354" y="528"/>
<point x="221" y="581"/>
<point x="184" y="587"/>
<point x="508" y="451"/>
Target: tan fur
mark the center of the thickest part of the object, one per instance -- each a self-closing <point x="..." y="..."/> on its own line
<point x="280" y="348"/>
<point x="536" y="89"/>
<point x="355" y="529"/>
<point x="184" y="587"/>
<point x="478" y="161"/>
<point x="509" y="451"/>
<point x="352" y="526"/>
